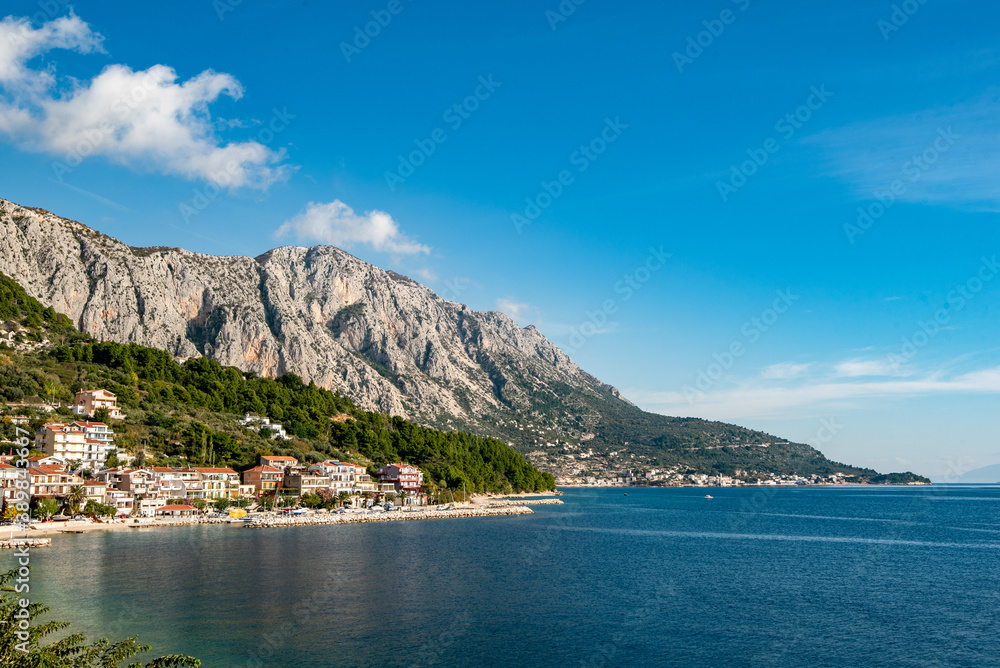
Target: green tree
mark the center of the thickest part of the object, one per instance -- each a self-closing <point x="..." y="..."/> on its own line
<point x="73" y="651"/>
<point x="99" y="509"/>
<point x="311" y="501"/>
<point x="221" y="504"/>
<point x="102" y="414"/>
<point x="76" y="496"/>
<point x="46" y="508"/>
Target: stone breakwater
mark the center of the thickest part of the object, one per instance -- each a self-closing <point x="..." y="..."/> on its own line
<point x="392" y="516"/>
<point x="18" y="543"/>
<point x="526" y="502"/>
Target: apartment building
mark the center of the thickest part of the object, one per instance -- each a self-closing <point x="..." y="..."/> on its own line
<point x="264" y="479"/>
<point x="404" y="477"/>
<point x="89" y="443"/>
<point x="87" y="402"/>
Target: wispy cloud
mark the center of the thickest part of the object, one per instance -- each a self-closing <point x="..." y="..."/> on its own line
<point x="756" y="399"/>
<point x="945" y="155"/>
<point x="427" y="274"/>
<point x="521" y="312"/>
<point x="337" y="224"/>
<point x="861" y="367"/>
<point x="144" y="119"/>
<point x="785" y="370"/>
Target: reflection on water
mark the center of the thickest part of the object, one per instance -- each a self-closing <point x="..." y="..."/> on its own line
<point x="790" y="577"/>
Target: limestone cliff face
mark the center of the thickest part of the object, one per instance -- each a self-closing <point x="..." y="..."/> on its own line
<point x="384" y="340"/>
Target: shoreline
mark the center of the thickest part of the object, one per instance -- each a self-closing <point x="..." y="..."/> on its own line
<point x="389" y="516"/>
<point x="50" y="529"/>
<point x="820" y="484"/>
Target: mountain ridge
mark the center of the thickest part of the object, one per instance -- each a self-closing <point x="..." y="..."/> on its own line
<point x="381" y="338"/>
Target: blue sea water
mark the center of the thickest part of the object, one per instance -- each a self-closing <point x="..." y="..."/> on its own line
<point x="858" y="576"/>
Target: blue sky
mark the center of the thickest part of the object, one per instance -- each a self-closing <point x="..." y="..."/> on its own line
<point x="777" y="214"/>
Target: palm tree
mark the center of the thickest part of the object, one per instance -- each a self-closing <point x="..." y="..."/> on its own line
<point x="341" y="498"/>
<point x="76" y="496"/>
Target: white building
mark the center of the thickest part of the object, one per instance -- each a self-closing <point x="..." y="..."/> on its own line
<point x="89" y="443"/>
<point x="256" y="423"/>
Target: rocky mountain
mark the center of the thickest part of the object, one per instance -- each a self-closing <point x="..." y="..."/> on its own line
<point x="389" y="343"/>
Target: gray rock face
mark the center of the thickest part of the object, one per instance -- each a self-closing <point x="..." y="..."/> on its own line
<point x="387" y="342"/>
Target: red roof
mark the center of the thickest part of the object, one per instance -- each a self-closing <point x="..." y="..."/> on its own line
<point x="214" y="470"/>
<point x="263" y="468"/>
<point x="181" y="506"/>
<point x="91" y="424"/>
<point x="48" y="469"/>
<point x="61" y="426"/>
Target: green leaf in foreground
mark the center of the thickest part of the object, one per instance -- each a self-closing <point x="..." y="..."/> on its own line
<point x="73" y="651"/>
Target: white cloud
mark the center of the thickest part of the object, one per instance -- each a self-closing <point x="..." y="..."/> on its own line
<point x="785" y="370"/>
<point x="145" y="119"/>
<point x="513" y="308"/>
<point x="427" y="273"/>
<point x="859" y="367"/>
<point x="336" y="223"/>
<point x="756" y="400"/>
<point x="20" y="43"/>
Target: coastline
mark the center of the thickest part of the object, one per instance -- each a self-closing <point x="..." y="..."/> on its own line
<point x="394" y="516"/>
<point x="50" y="529"/>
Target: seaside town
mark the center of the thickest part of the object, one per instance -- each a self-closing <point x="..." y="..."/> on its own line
<point x="69" y="475"/>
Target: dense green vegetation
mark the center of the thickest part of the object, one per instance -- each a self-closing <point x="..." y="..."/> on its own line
<point x="73" y="651"/>
<point x="187" y="413"/>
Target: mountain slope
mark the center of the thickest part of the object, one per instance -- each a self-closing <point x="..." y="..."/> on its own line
<point x="389" y="343"/>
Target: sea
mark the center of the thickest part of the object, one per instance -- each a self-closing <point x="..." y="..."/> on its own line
<point x="787" y="576"/>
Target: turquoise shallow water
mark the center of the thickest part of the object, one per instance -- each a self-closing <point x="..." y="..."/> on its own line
<point x="870" y="576"/>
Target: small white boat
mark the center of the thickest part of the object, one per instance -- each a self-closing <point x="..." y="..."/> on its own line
<point x="709" y="496"/>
